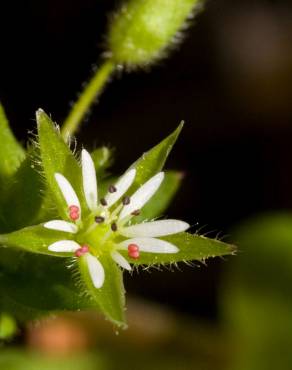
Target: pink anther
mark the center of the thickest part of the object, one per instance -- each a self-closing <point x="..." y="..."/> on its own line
<point x="74" y="216"/>
<point x="133" y="251"/>
<point x="74" y="212"/>
<point x="81" y="251"/>
<point x="74" y="208"/>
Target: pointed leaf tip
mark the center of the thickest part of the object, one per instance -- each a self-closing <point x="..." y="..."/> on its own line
<point x="39" y="114"/>
<point x="153" y="161"/>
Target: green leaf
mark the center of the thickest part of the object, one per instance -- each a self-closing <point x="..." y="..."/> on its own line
<point x="110" y="298"/>
<point x="35" y="239"/>
<point x="162" y="198"/>
<point x="11" y="152"/>
<point x="192" y="247"/>
<point x="153" y="161"/>
<point x="33" y="285"/>
<point x="23" y="197"/>
<point x="57" y="158"/>
<point x="103" y="159"/>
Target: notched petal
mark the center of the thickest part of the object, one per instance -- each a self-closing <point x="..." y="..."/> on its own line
<point x="67" y="190"/>
<point x="120" y="260"/>
<point x="155" y="228"/>
<point x="89" y="180"/>
<point x="96" y="270"/>
<point x="61" y="225"/>
<point x="64" y="246"/>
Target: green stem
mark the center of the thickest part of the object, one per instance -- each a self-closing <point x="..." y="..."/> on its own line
<point x="87" y="98"/>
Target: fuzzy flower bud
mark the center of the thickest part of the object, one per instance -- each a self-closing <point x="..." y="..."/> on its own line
<point x="142" y="30"/>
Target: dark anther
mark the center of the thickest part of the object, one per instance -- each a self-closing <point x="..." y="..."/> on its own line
<point x="112" y="189"/>
<point x="99" y="219"/>
<point x="103" y="202"/>
<point x="126" y="201"/>
<point x="136" y="213"/>
<point x="114" y="226"/>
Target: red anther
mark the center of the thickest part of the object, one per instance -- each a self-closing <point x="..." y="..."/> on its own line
<point x="84" y="248"/>
<point x="78" y="253"/>
<point x="74" y="208"/>
<point x="74" y="212"/>
<point x="81" y="251"/>
<point x="133" y="251"/>
<point x="74" y="216"/>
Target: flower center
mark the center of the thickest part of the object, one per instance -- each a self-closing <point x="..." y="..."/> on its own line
<point x="98" y="234"/>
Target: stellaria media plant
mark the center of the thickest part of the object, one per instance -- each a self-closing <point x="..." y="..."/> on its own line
<point x="68" y="231"/>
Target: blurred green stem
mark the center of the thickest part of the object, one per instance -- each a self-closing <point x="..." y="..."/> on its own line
<point x="87" y="98"/>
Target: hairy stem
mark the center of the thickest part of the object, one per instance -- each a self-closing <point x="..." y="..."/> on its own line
<point x="87" y="97"/>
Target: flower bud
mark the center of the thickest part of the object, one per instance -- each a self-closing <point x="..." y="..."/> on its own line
<point x="142" y="30"/>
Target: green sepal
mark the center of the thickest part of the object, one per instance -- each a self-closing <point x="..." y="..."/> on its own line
<point x="110" y="298"/>
<point x="35" y="239"/>
<point x="11" y="152"/>
<point x="192" y="247"/>
<point x="57" y="158"/>
<point x="151" y="162"/>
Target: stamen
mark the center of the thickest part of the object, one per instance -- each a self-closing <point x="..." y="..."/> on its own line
<point x="112" y="189"/>
<point x="81" y="251"/>
<point x="103" y="202"/>
<point x="74" y="212"/>
<point x="114" y="226"/>
<point x="99" y="219"/>
<point x="74" y="208"/>
<point x="126" y="201"/>
<point x="133" y="251"/>
<point x="74" y="216"/>
<point x="136" y="212"/>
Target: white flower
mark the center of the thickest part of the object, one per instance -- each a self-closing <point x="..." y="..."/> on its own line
<point x="106" y="228"/>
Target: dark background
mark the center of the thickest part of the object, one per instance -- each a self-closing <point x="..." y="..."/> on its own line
<point x="230" y="80"/>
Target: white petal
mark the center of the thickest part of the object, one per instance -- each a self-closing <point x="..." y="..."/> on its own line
<point x="142" y="195"/>
<point x="60" y="225"/>
<point x="155" y="228"/>
<point x="122" y="186"/>
<point x="150" y="245"/>
<point x="121" y="260"/>
<point x="96" y="270"/>
<point x="89" y="180"/>
<point x="64" y="246"/>
<point x="67" y="191"/>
